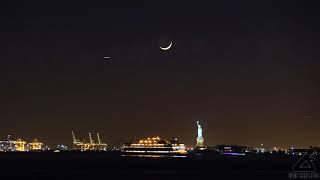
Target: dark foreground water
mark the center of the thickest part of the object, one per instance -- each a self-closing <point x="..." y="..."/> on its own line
<point x="113" y="166"/>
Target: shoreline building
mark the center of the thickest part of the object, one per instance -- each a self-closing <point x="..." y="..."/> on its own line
<point x="20" y="145"/>
<point x="12" y="146"/>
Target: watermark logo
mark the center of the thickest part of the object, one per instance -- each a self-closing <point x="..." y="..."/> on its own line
<point x="305" y="168"/>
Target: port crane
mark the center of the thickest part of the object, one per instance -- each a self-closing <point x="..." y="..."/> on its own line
<point x="91" y="146"/>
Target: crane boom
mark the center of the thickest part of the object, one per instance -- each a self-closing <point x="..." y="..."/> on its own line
<point x="73" y="136"/>
<point x="91" y="141"/>
<point x="99" y="142"/>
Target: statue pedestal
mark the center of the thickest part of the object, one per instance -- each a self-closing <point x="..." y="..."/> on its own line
<point x="200" y="142"/>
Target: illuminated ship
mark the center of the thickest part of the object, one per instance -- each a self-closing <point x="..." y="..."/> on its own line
<point x="154" y="147"/>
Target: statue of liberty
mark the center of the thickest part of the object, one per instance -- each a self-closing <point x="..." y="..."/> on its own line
<point x="199" y="129"/>
<point x="200" y="140"/>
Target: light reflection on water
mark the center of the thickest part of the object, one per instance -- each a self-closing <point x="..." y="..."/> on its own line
<point x="154" y="156"/>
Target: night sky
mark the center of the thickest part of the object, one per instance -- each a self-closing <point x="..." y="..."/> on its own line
<point x="249" y="72"/>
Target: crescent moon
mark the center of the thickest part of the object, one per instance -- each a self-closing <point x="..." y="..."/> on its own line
<point x="166" y="48"/>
